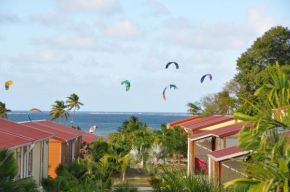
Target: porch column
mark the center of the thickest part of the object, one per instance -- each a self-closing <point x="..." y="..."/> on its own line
<point x="191" y="156"/>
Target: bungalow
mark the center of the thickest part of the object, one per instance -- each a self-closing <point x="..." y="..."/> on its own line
<point x="200" y="149"/>
<point x="64" y="146"/>
<point x="30" y="147"/>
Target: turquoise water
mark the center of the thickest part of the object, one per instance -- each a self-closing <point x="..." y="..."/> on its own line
<point x="107" y="122"/>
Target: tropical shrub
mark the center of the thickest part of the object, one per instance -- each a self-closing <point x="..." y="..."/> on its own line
<point x="176" y="180"/>
<point x="8" y="172"/>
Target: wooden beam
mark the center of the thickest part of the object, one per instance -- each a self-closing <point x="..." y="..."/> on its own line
<point x="192" y="157"/>
<point x="224" y="143"/>
<point x="220" y="167"/>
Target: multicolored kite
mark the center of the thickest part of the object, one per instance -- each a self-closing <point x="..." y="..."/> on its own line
<point x="209" y="75"/>
<point x="196" y="103"/>
<point x="167" y="65"/>
<point x="93" y="128"/>
<point x="31" y="110"/>
<point x="171" y="86"/>
<point x="127" y="83"/>
<point x="7" y="84"/>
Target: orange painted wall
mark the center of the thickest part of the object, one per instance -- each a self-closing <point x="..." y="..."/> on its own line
<point x="54" y="156"/>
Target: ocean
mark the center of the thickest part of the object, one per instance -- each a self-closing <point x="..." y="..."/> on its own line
<point x="107" y="122"/>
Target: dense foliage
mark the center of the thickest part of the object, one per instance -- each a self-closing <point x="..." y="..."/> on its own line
<point x="8" y="172"/>
<point x="268" y="143"/>
<point x="175" y="180"/>
<point x="79" y="176"/>
<point x="4" y="110"/>
<point x="273" y="46"/>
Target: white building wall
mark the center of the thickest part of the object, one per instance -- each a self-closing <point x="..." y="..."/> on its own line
<point x="202" y="149"/>
<point x="231" y="170"/>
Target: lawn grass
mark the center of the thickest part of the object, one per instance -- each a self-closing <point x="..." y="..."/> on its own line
<point x="140" y="178"/>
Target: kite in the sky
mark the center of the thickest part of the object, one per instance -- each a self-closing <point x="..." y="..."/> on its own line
<point x="167" y="65"/>
<point x="31" y="110"/>
<point x="209" y="75"/>
<point x="171" y="86"/>
<point x="7" y="84"/>
<point x="127" y="83"/>
<point x="196" y="103"/>
<point x="93" y="128"/>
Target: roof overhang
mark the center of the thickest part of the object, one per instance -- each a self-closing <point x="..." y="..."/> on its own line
<point x="228" y="157"/>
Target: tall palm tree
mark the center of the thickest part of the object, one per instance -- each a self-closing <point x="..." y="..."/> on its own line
<point x="58" y="110"/>
<point x="73" y="102"/>
<point x="8" y="171"/>
<point x="3" y="110"/>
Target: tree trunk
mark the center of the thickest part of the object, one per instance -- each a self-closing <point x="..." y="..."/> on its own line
<point x="60" y="119"/>
<point x="72" y="121"/>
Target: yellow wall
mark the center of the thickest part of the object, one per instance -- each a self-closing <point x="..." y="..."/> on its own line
<point x="36" y="162"/>
<point x="219" y="125"/>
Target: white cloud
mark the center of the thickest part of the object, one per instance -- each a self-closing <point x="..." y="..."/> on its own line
<point x="259" y="21"/>
<point x="124" y="30"/>
<point x="9" y="17"/>
<point x="216" y="37"/>
<point x="48" y="19"/>
<point x="46" y="56"/>
<point x="69" y="42"/>
<point x="205" y="58"/>
<point x="158" y="8"/>
<point x="98" y="6"/>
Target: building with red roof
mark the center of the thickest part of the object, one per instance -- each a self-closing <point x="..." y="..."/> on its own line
<point x="182" y="121"/>
<point x="224" y="165"/>
<point x="200" y="127"/>
<point x="30" y="147"/>
<point x="64" y="146"/>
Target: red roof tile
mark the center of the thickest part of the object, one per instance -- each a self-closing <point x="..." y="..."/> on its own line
<point x="221" y="132"/>
<point x="23" y="131"/>
<point x="183" y="120"/>
<point x="60" y="127"/>
<point x="60" y="134"/>
<point x="207" y="122"/>
<point x="88" y="138"/>
<point x="8" y="140"/>
<point x="227" y="153"/>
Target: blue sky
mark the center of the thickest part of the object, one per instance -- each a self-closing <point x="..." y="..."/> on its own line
<point x="54" y="48"/>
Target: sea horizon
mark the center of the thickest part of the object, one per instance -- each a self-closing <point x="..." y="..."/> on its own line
<point x="107" y="122"/>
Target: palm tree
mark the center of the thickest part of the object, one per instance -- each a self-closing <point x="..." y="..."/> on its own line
<point x="175" y="180"/>
<point x="73" y="102"/>
<point x="131" y="125"/>
<point x="3" y="110"/>
<point x="58" y="110"/>
<point x="268" y="143"/>
<point x="157" y="152"/>
<point x="79" y="176"/>
<point x="8" y="171"/>
<point x="124" y="162"/>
